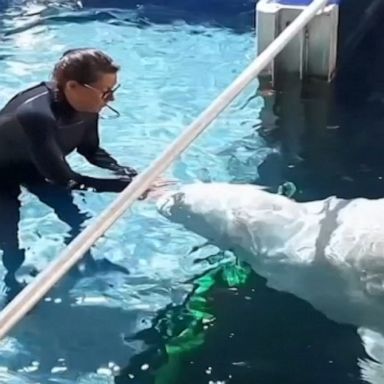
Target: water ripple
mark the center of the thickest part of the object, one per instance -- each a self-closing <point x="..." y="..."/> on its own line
<point x="170" y="73"/>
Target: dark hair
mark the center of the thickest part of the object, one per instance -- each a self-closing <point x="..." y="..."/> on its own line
<point x="84" y="65"/>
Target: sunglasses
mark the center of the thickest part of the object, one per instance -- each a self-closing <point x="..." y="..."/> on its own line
<point x="106" y="96"/>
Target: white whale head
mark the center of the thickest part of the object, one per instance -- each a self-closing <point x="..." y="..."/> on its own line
<point x="246" y="217"/>
<point x="329" y="252"/>
<point x="324" y="252"/>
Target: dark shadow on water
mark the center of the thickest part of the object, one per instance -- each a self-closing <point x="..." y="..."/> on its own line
<point x="327" y="148"/>
<point x="263" y="336"/>
<point x="258" y="335"/>
<point x="237" y="16"/>
<point x="331" y="137"/>
<point x="356" y="17"/>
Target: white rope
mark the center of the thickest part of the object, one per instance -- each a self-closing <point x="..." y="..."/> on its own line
<point x="46" y="279"/>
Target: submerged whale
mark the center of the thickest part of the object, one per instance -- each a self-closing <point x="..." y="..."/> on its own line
<point x="328" y="252"/>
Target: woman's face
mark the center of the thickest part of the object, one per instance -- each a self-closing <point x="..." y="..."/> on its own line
<point x="92" y="97"/>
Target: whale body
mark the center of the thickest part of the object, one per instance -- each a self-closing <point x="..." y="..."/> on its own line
<point x="329" y="252"/>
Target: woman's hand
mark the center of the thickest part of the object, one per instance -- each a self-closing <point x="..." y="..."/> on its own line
<point x="159" y="187"/>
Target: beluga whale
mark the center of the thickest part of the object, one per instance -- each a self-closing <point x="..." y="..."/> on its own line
<point x="328" y="252"/>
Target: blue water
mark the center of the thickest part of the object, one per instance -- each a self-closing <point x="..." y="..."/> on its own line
<point x="169" y="74"/>
<point x="100" y="323"/>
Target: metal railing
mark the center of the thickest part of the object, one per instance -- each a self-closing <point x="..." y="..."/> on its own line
<point x="56" y="269"/>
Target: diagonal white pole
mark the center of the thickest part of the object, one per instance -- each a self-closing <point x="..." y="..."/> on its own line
<point x="46" y="279"/>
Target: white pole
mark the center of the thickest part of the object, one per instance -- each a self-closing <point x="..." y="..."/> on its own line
<point x="46" y="279"/>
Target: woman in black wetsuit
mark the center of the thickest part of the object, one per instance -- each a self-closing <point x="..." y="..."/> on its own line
<point x="39" y="127"/>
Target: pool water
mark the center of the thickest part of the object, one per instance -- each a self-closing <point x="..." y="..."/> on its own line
<point x="169" y="74"/>
<point x="146" y="312"/>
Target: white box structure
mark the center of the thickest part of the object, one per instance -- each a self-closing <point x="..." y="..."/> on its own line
<point x="313" y="52"/>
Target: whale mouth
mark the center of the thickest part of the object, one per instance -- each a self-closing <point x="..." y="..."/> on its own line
<point x="165" y="203"/>
<point x="169" y="201"/>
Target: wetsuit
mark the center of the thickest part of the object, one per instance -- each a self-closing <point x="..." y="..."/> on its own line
<point x="37" y="131"/>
